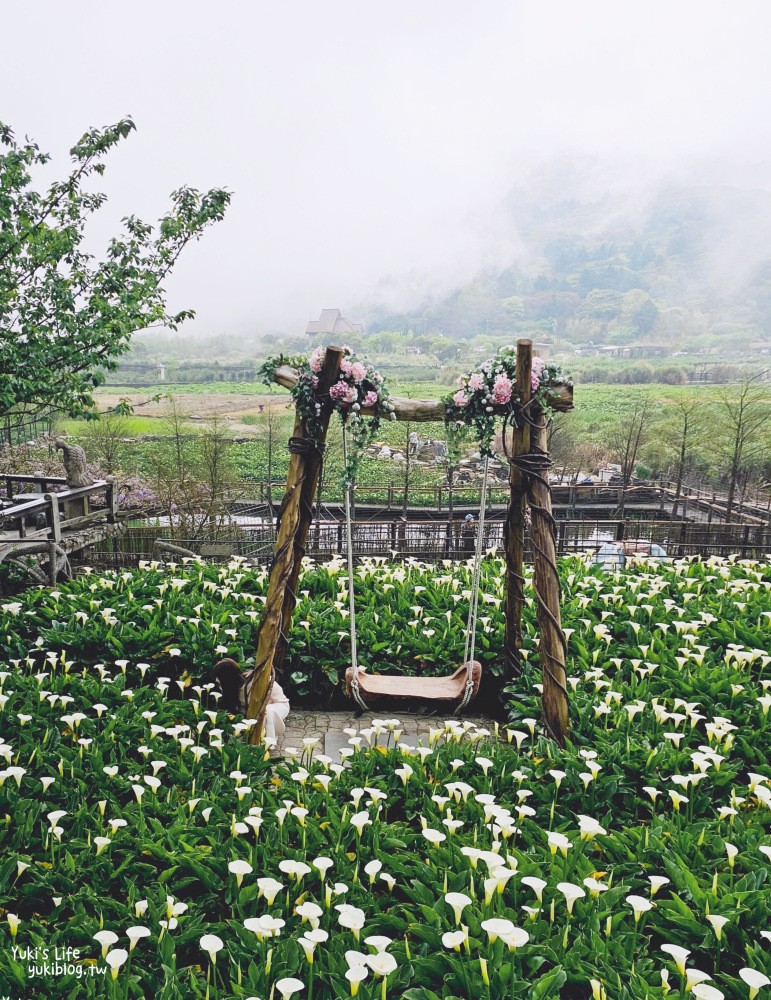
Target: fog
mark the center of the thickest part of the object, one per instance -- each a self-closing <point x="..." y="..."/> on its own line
<point x="378" y="152"/>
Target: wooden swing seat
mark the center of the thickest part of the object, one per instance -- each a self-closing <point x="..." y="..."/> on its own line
<point x="443" y="690"/>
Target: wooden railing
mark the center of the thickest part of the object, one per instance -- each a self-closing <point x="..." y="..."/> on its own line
<point x="660" y="494"/>
<point x="401" y="537"/>
<point x="55" y="514"/>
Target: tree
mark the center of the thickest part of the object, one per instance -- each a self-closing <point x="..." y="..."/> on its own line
<point x="105" y="440"/>
<point x="193" y="477"/>
<point x="681" y="434"/>
<point x="747" y="409"/>
<point x="626" y="440"/>
<point x="64" y="316"/>
<point x="269" y="423"/>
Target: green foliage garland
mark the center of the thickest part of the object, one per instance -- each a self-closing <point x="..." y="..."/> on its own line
<point x="359" y="386"/>
<point x="490" y="392"/>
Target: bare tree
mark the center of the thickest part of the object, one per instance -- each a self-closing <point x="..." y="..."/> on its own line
<point x="563" y="444"/>
<point x="193" y="477"/>
<point x="407" y="468"/>
<point x="689" y="427"/>
<point x="626" y="441"/>
<point x="747" y="411"/>
<point x="269" y="423"/>
<point x="105" y="440"/>
<point x="216" y="472"/>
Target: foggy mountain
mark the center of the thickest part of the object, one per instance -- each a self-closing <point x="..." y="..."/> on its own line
<point x="691" y="267"/>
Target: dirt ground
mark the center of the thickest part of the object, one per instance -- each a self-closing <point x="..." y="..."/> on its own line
<point x="195" y="403"/>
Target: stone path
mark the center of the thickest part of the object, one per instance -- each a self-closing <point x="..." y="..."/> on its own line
<point x="328" y="728"/>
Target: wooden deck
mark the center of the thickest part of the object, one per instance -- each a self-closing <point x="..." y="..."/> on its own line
<point x="49" y="522"/>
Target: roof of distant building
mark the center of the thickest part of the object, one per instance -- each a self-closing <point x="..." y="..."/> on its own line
<point x="332" y="321"/>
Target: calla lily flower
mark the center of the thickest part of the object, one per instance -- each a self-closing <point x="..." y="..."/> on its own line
<point x="289" y="986"/>
<point x="382" y="964"/>
<point x="498" y="927"/>
<point x="571" y="892"/>
<point x="718" y="923"/>
<point x="115" y="959"/>
<point x="356" y="975"/>
<point x="755" y="980"/>
<point x="135" y="934"/>
<point x="105" y="939"/>
<point x="211" y="944"/>
<point x="639" y="905"/>
<point x="458" y="901"/>
<point x="536" y="884"/>
<point x="703" y="991"/>
<point x="239" y="869"/>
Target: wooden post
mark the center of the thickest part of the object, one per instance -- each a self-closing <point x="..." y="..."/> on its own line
<point x="514" y="525"/>
<point x="112" y="502"/>
<point x="52" y="563"/>
<point x="294" y="521"/>
<point x="552" y="647"/>
<point x="55" y="525"/>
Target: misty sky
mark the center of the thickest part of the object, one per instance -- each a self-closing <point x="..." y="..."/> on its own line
<point x="371" y="146"/>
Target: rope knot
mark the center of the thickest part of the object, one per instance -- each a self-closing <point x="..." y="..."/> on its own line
<point x="304" y="446"/>
<point x="532" y="463"/>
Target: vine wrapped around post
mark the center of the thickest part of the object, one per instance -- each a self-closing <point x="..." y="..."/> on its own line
<point x="514" y="526"/>
<point x="306" y="448"/>
<point x="331" y="380"/>
<point x="552" y="646"/>
<point x="520" y="388"/>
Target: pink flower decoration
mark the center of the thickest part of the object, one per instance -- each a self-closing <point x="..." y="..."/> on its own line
<point x="502" y="390"/>
<point x="345" y="366"/>
<point x="358" y="371"/>
<point x="339" y="391"/>
<point x="316" y="359"/>
<point x="315" y="381"/>
<point x="460" y="398"/>
<point x="370" y="399"/>
<point x="476" y="382"/>
<point x="352" y="394"/>
<point x="536" y="372"/>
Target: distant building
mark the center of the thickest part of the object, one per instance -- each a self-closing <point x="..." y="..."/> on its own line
<point x="332" y="322"/>
<point x="542" y="348"/>
<point x="622" y="351"/>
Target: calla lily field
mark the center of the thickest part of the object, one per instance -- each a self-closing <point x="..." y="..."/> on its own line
<point x="148" y="849"/>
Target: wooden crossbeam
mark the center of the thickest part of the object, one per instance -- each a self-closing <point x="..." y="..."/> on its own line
<point x="559" y="398"/>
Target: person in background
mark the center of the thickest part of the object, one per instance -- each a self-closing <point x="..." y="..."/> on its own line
<point x="468" y="534"/>
<point x="236" y="686"/>
<point x="414" y="441"/>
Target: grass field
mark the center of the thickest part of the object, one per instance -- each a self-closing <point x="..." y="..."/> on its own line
<point x="242" y="412"/>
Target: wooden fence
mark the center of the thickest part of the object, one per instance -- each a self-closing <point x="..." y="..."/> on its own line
<point x="435" y="540"/>
<point x="659" y="495"/>
<point x="40" y="514"/>
<point x="17" y="430"/>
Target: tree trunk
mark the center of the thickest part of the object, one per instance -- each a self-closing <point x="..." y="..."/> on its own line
<point x="407" y="463"/>
<point x="514" y="526"/>
<point x="552" y="646"/>
<point x="735" y="463"/>
<point x="294" y="520"/>
<point x="448" y="546"/>
<point x="680" y="469"/>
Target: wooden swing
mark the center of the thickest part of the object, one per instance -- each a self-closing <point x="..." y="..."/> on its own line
<point x="527" y="487"/>
<point x="455" y="691"/>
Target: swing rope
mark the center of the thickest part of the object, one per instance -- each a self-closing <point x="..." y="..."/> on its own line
<point x="351" y="602"/>
<point x="471" y="624"/>
<point x="473" y="611"/>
